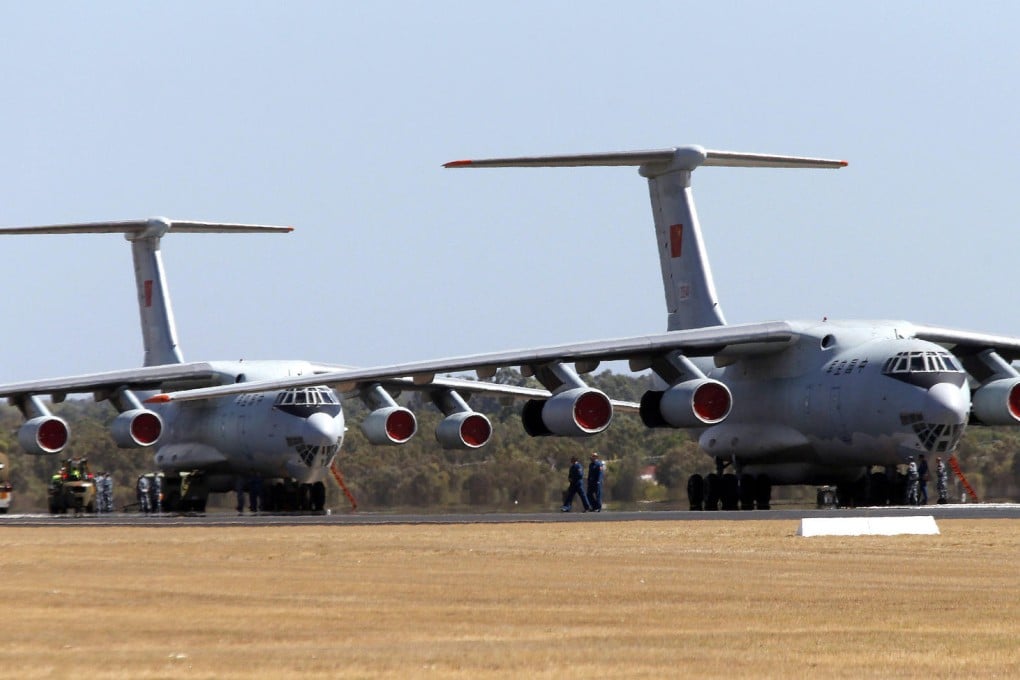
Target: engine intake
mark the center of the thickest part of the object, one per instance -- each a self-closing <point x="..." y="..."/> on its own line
<point x="578" y="412"/>
<point x="43" y="435"/>
<point x="997" y="402"/>
<point x="136" y="428"/>
<point x="692" y="403"/>
<point x="464" y="430"/>
<point x="391" y="425"/>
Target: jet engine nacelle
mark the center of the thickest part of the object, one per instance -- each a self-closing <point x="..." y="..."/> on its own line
<point x="464" y="430"/>
<point x="136" y="428"/>
<point x="579" y="412"/>
<point x="997" y="402"/>
<point x="43" y="435"/>
<point x="391" y="425"/>
<point x="692" y="403"/>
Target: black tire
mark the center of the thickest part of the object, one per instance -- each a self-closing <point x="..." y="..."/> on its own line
<point x="318" y="496"/>
<point x="696" y="491"/>
<point x="879" y="489"/>
<point x="748" y="491"/>
<point x="713" y="491"/>
<point x="172" y="502"/>
<point x="730" y="492"/>
<point x="763" y="492"/>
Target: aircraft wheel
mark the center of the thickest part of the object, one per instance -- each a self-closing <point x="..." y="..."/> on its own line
<point x="899" y="492"/>
<point x="730" y="492"/>
<point x="713" y="490"/>
<point x="696" y="491"/>
<point x="846" y="495"/>
<point x="276" y="497"/>
<point x="304" y="497"/>
<point x="763" y="492"/>
<point x="879" y="489"/>
<point x="172" y="502"/>
<point x="318" y="496"/>
<point x="748" y="490"/>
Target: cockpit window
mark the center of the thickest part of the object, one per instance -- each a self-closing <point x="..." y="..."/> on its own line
<point x="922" y="362"/>
<point x="306" y="396"/>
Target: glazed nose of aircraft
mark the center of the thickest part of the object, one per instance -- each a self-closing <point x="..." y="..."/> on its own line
<point x="320" y="429"/>
<point x="944" y="405"/>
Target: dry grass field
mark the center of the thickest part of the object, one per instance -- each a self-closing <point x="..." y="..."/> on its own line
<point x="575" y="599"/>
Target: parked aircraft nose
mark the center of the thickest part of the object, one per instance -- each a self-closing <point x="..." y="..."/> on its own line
<point x="321" y="429"/>
<point x="945" y="405"/>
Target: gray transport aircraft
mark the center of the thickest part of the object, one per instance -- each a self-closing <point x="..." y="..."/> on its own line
<point x="287" y="437"/>
<point x="771" y="403"/>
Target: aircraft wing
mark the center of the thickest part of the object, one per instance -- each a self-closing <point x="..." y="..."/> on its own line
<point x="497" y="389"/>
<point x="964" y="343"/>
<point x="179" y="376"/>
<point x="724" y="343"/>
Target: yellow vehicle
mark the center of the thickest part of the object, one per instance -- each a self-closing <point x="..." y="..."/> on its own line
<point x="6" y="490"/>
<point x="72" y="488"/>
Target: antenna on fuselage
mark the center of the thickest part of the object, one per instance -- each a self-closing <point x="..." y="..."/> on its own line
<point x="691" y="300"/>
<point x="159" y="333"/>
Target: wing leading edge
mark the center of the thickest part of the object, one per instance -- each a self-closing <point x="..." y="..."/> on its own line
<point x="194" y="374"/>
<point x="724" y="343"/>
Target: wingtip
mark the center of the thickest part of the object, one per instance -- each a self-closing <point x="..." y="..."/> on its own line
<point x="158" y="399"/>
<point x="457" y="164"/>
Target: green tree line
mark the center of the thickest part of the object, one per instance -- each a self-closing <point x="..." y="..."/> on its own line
<point x="646" y="467"/>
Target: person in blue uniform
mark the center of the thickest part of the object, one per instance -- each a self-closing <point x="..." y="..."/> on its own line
<point x="922" y="474"/>
<point x="596" y="474"/>
<point x="575" y="477"/>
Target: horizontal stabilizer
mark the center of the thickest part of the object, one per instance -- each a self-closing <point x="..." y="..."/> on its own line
<point x="680" y="158"/>
<point x="153" y="226"/>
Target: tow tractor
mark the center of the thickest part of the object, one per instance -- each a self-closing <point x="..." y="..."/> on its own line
<point x="6" y="490"/>
<point x="72" y="488"/>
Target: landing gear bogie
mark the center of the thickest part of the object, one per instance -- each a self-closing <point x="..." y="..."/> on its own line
<point x="729" y="491"/>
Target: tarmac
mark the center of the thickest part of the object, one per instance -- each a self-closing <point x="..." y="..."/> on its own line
<point x="223" y="518"/>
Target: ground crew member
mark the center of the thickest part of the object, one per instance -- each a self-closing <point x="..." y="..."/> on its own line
<point x="922" y="471"/>
<point x="596" y="474"/>
<point x="144" y="504"/>
<point x="108" y="482"/>
<point x="157" y="492"/>
<point x="941" y="480"/>
<point x="255" y="492"/>
<point x="239" y="490"/>
<point x="101" y="492"/>
<point x="913" y="483"/>
<point x="575" y="477"/>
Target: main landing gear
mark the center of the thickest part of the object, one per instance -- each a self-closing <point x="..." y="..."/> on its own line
<point x="729" y="490"/>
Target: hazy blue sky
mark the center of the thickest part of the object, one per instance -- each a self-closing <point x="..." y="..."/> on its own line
<point x="336" y="117"/>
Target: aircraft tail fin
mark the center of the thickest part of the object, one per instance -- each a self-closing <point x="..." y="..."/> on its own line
<point x="691" y="299"/>
<point x="159" y="333"/>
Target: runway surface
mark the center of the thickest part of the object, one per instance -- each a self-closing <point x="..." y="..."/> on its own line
<point x="956" y="511"/>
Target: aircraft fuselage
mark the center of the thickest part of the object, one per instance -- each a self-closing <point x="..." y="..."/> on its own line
<point x="290" y="434"/>
<point x="842" y="397"/>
